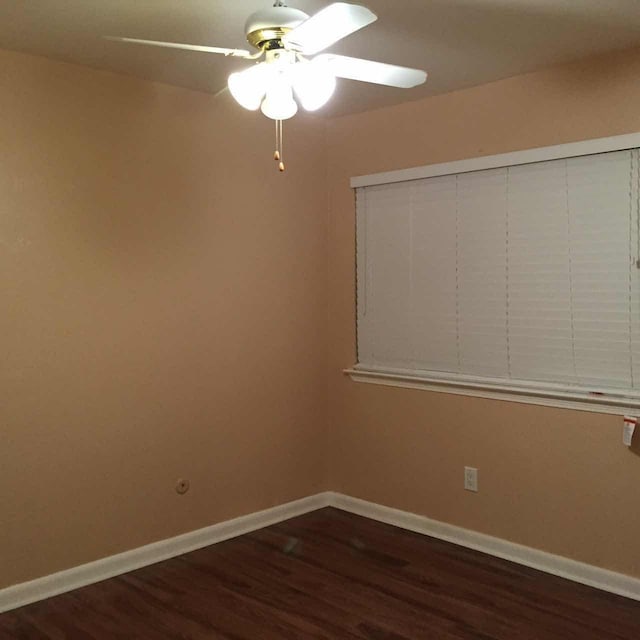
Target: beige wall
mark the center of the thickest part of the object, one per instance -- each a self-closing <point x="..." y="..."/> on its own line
<point x="552" y="479"/>
<point x="163" y="295"/>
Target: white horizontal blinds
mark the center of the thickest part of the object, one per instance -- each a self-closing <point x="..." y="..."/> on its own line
<point x="482" y="273"/>
<point x="539" y="267"/>
<point x="384" y="276"/>
<point x="433" y="274"/>
<point x="600" y="210"/>
<point x="525" y="273"/>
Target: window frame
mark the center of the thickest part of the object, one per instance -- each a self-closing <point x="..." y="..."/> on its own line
<point x="547" y="394"/>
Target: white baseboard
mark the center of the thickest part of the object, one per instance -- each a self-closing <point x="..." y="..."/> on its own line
<point x="590" y="575"/>
<point x="63" y="581"/>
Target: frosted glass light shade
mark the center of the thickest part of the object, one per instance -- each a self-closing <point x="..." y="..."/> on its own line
<point x="279" y="103"/>
<point x="314" y="85"/>
<point x="248" y="87"/>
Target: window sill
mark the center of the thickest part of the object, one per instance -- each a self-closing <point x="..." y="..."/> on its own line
<point x="528" y="393"/>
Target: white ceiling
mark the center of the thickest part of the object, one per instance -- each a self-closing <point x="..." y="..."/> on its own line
<point x="459" y="42"/>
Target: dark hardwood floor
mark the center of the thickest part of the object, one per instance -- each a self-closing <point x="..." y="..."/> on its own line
<point x="330" y="574"/>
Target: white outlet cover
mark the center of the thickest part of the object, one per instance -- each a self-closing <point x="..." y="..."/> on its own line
<point x="471" y="479"/>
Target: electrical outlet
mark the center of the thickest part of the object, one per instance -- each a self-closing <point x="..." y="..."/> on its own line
<point x="471" y="479"/>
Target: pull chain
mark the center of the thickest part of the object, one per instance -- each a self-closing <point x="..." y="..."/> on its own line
<point x="278" y="155"/>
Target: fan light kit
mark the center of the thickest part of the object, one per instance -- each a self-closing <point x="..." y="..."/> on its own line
<point x="283" y="70"/>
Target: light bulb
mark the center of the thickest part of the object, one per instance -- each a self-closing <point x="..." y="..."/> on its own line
<point x="249" y="86"/>
<point x="314" y="85"/>
<point x="279" y="103"/>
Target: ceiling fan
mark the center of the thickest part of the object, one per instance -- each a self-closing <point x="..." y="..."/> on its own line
<point x="286" y="38"/>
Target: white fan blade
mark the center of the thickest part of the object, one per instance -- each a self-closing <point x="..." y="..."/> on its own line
<point x="236" y="53"/>
<point x="376" y="72"/>
<point x="326" y="27"/>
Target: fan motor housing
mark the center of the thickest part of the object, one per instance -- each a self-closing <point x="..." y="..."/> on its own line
<point x="266" y="28"/>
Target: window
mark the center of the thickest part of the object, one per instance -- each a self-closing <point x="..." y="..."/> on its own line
<point x="519" y="277"/>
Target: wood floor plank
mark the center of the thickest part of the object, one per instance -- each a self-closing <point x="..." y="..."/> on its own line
<point x="330" y="575"/>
